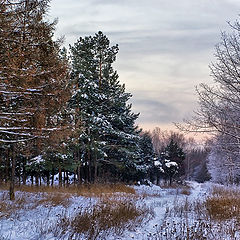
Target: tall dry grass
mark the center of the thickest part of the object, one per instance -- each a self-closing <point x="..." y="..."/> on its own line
<point x="8" y="208"/>
<point x="82" y="190"/>
<point x="223" y="204"/>
<point x="30" y="197"/>
<point x="115" y="208"/>
<point x="25" y="201"/>
<point x="214" y="217"/>
<point x="110" y="215"/>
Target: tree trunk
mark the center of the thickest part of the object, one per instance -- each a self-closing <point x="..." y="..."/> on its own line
<point x="95" y="171"/>
<point x="1" y="173"/>
<point x="32" y="179"/>
<point x="89" y="158"/>
<point x="60" y="176"/>
<point x="170" y="180"/>
<point x="79" y="174"/>
<point x="7" y="166"/>
<point x="67" y="178"/>
<point x="48" y="178"/>
<point x="64" y="178"/>
<point x="74" y="178"/>
<point x="24" y="177"/>
<point x="12" y="183"/>
<point x="89" y="166"/>
<point x="52" y="176"/>
<point x="19" y="180"/>
<point x="36" y="180"/>
<point x="158" y="178"/>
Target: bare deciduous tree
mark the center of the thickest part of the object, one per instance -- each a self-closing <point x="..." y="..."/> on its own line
<point x="219" y="103"/>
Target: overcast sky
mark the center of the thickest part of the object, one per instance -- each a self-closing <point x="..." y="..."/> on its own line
<point x="165" y="47"/>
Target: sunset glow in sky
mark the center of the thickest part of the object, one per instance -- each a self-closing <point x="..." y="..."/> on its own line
<point x="165" y="47"/>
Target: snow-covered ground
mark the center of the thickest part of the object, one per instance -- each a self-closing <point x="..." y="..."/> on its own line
<point x="36" y="223"/>
<point x="161" y="200"/>
<point x="30" y="222"/>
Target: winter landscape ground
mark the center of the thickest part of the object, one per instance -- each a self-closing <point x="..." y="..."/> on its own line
<point x="192" y="211"/>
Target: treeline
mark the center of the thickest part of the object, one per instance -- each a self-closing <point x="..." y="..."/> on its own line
<point x="191" y="155"/>
<point x="66" y="114"/>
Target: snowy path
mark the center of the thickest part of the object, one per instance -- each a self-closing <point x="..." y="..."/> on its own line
<point x="160" y="200"/>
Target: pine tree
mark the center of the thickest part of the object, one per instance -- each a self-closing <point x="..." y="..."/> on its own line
<point x="107" y="134"/>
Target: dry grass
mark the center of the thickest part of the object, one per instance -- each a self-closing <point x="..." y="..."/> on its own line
<point x="223" y="204"/>
<point x="215" y="217"/>
<point x="180" y="188"/>
<point x="167" y="185"/>
<point x="55" y="199"/>
<point x="54" y="196"/>
<point x="185" y="191"/>
<point x="150" y="195"/>
<point x="4" y="186"/>
<point x="82" y="190"/>
<point x="4" y="209"/>
<point x="153" y="194"/>
<point x="223" y="191"/>
<point x="114" y="208"/>
<point x="110" y="215"/>
<point x="182" y="230"/>
<point x="24" y="201"/>
<point x="7" y="208"/>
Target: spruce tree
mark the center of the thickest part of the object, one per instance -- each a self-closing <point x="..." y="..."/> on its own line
<point x="173" y="161"/>
<point x="147" y="157"/>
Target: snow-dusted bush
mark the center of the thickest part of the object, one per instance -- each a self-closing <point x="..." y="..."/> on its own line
<point x="224" y="161"/>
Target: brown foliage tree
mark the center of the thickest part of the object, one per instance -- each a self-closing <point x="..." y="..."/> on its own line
<point x="33" y="76"/>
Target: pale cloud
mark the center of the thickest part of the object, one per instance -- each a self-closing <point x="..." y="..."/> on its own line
<point x="165" y="46"/>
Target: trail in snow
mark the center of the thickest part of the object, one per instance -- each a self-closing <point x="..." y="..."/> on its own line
<point x="160" y="200"/>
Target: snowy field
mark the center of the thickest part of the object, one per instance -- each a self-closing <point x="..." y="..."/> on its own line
<point x="173" y="213"/>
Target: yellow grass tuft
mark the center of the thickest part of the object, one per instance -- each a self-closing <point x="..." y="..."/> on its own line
<point x="223" y="204"/>
<point x="110" y="214"/>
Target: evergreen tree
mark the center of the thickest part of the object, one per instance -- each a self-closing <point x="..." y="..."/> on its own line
<point x="147" y="157"/>
<point x="107" y="134"/>
<point x="173" y="161"/>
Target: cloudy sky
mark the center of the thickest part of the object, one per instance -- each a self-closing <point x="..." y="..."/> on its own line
<point x="165" y="47"/>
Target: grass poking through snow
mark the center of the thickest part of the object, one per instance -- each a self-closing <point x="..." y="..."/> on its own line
<point x="214" y="217"/>
<point x="111" y="215"/>
<point x="102" y="210"/>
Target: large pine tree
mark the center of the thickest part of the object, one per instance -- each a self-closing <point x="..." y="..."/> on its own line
<point x="108" y="138"/>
